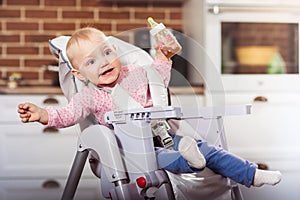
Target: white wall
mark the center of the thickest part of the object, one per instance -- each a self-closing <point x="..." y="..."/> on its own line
<point x="193" y="19"/>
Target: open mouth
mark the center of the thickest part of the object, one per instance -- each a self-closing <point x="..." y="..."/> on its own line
<point x="107" y="71"/>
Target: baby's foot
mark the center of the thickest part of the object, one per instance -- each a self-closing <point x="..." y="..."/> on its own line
<point x="262" y="177"/>
<point x="190" y="152"/>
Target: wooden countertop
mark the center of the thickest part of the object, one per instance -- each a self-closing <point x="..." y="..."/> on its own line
<point x="31" y="90"/>
<point x="198" y="90"/>
<point x="193" y="90"/>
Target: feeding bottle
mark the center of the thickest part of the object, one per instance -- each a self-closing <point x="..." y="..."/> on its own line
<point x="162" y="35"/>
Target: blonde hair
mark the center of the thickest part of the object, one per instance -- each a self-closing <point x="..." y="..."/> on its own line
<point x="82" y="35"/>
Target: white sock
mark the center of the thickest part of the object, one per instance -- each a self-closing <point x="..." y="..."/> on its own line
<point x="190" y="152"/>
<point x="262" y="177"/>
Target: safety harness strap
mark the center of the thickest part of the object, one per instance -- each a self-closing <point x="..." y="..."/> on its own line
<point x="123" y="100"/>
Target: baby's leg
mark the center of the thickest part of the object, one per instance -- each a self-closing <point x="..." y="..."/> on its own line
<point x="190" y="152"/>
<point x="236" y="168"/>
<point x="172" y="161"/>
<point x="262" y="177"/>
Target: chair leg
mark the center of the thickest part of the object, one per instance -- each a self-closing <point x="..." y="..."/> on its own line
<point x="236" y="193"/>
<point x="74" y="175"/>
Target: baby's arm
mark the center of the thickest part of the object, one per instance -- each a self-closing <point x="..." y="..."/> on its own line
<point x="32" y="113"/>
<point x="162" y="63"/>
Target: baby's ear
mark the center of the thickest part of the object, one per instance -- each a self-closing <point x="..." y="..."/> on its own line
<point x="77" y="74"/>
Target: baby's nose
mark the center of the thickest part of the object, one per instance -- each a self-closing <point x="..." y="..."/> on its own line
<point x="104" y="64"/>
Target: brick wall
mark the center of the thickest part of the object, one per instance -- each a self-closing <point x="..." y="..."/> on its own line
<point x="26" y="27"/>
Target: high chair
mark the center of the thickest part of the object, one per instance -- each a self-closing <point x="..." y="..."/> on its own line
<point x="124" y="157"/>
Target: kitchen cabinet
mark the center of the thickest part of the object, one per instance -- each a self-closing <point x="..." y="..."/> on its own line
<point x="32" y="189"/>
<point x="35" y="160"/>
<point x="268" y="136"/>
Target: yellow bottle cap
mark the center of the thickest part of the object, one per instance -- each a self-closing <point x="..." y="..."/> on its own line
<point x="152" y="22"/>
<point x="155" y="27"/>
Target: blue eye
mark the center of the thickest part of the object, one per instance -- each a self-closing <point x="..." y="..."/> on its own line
<point x="91" y="62"/>
<point x="107" y="52"/>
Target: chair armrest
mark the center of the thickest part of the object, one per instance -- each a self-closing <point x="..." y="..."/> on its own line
<point x="216" y="111"/>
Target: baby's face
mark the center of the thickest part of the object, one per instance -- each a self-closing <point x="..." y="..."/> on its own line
<point x="98" y="63"/>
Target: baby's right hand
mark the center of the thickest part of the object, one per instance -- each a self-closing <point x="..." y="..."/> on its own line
<point x="32" y="113"/>
<point x="159" y="52"/>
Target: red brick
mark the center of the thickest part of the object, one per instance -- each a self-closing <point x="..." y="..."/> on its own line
<point x="168" y="4"/>
<point x="114" y="14"/>
<point x="40" y="14"/>
<point x="176" y="15"/>
<point x="94" y="3"/>
<point x="21" y="26"/>
<point x="77" y="14"/>
<point x="47" y="51"/>
<point x="127" y="27"/>
<point x="60" y="2"/>
<point x="177" y="27"/>
<point x="37" y="62"/>
<point x="27" y="2"/>
<point x="29" y="75"/>
<point x="59" y="26"/>
<point x="9" y="38"/>
<point x="38" y="38"/>
<point x="158" y="16"/>
<point x="22" y="50"/>
<point x="6" y="62"/>
<point x="132" y="4"/>
<point x="101" y="26"/>
<point x="9" y="13"/>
